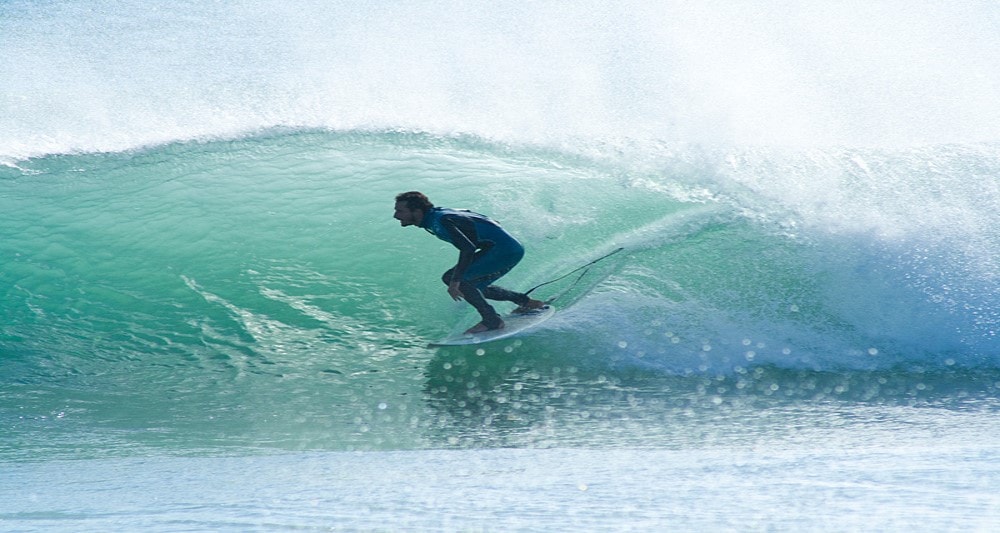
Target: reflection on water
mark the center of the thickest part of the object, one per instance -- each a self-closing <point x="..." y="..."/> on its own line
<point x="479" y="399"/>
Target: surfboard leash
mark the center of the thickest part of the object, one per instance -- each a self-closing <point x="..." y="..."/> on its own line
<point x="585" y="269"/>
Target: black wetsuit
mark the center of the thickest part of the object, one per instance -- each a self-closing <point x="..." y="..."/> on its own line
<point x="486" y="253"/>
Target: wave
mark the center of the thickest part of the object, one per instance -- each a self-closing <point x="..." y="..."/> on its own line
<point x="284" y="239"/>
<point x="257" y="292"/>
<point x="198" y="238"/>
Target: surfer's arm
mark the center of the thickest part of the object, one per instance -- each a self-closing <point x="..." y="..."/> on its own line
<point x="463" y="236"/>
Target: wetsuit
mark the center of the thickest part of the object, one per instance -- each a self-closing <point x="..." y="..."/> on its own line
<point x="486" y="252"/>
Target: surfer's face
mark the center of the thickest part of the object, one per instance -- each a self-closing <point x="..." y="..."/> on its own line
<point x="407" y="216"/>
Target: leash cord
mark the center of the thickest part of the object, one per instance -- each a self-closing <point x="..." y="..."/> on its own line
<point x="585" y="268"/>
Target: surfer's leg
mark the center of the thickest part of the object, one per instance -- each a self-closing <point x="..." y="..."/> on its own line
<point x="525" y="303"/>
<point x="472" y="294"/>
<point x="491" y="266"/>
<point x="494" y="292"/>
<point x="476" y="287"/>
<point x="494" y="265"/>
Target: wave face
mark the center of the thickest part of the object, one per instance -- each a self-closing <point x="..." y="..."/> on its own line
<point x="199" y="248"/>
<point x="263" y="282"/>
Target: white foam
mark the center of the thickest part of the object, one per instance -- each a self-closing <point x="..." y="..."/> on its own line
<point x="105" y="76"/>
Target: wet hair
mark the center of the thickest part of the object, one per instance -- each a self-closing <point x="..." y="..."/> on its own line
<point x="415" y="200"/>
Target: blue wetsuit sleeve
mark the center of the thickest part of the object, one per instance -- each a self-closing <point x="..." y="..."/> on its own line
<point x="464" y="237"/>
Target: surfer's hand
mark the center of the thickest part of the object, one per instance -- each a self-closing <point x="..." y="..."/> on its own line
<point x="454" y="291"/>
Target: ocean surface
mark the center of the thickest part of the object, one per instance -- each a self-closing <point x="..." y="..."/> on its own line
<point x="211" y="321"/>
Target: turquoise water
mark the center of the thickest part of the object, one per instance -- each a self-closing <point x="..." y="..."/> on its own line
<point x="212" y="322"/>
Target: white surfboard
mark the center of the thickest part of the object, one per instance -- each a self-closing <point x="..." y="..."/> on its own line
<point x="514" y="324"/>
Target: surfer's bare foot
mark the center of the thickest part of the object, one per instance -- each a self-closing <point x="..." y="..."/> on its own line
<point x="532" y="305"/>
<point x="482" y="328"/>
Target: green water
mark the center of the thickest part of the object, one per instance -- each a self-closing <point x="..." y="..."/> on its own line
<point x="257" y="293"/>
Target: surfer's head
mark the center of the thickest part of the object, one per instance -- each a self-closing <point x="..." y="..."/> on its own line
<point x="411" y="208"/>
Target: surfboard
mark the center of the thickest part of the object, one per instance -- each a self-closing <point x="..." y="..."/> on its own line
<point x="514" y="324"/>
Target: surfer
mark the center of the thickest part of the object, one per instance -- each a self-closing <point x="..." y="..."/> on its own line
<point x="485" y="253"/>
